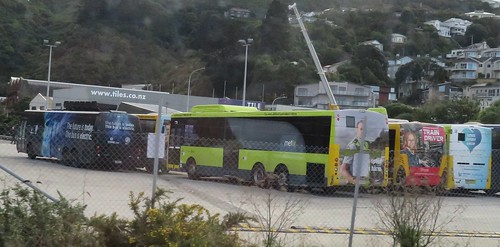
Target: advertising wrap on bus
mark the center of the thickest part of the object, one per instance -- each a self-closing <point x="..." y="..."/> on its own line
<point x="469" y="152"/>
<point x="81" y="138"/>
<point x="349" y="128"/>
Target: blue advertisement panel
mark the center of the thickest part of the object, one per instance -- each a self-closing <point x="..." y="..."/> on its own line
<point x="470" y="149"/>
<point x="79" y="133"/>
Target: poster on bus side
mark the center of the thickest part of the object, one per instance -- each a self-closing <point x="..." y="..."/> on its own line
<point x="470" y="149"/>
<point x="422" y="149"/>
<point x="349" y="127"/>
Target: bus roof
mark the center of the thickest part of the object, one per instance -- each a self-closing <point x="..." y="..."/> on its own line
<point x="379" y="109"/>
<point x="233" y="111"/>
<point x="222" y="108"/>
<point x="151" y="116"/>
<point x="76" y="112"/>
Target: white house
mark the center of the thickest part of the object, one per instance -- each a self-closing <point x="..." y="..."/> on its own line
<point x="450" y="27"/>
<point x="493" y="3"/>
<point x="397" y="38"/>
<point x="485" y="93"/>
<point x="457" y="26"/>
<point x="442" y="30"/>
<point x="374" y="43"/>
<point x="39" y="102"/>
<point x="394" y="64"/>
<point x="481" y="14"/>
<point x="347" y="94"/>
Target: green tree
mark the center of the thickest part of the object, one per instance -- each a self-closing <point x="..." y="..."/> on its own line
<point x="372" y="63"/>
<point x="450" y="111"/>
<point x="491" y="115"/>
<point x="275" y="29"/>
<point x="476" y="33"/>
<point x="399" y="110"/>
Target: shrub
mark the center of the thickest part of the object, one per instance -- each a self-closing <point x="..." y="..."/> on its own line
<point x="159" y="222"/>
<point x="27" y="218"/>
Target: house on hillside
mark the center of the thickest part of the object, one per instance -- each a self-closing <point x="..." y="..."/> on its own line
<point x="395" y="64"/>
<point x="465" y="69"/>
<point x="493" y="3"/>
<point x="480" y="14"/>
<point x="450" y="27"/>
<point x="485" y="93"/>
<point x="442" y="91"/>
<point x="476" y="50"/>
<point x="238" y="13"/>
<point x="397" y="38"/>
<point x="348" y="95"/>
<point x="469" y="68"/>
<point x="374" y="43"/>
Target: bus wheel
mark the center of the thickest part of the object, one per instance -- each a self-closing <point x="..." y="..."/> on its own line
<point x="31" y="152"/>
<point x="441" y="187"/>
<point x="70" y="158"/>
<point x="401" y="179"/>
<point x="259" y="176"/>
<point x="281" y="182"/>
<point x="491" y="192"/>
<point x="191" y="169"/>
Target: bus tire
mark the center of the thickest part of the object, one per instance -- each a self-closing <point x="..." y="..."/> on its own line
<point x="282" y="177"/>
<point x="70" y="158"/>
<point x="191" y="169"/>
<point x="491" y="192"/>
<point x="259" y="176"/>
<point x="441" y="187"/>
<point x="31" y="152"/>
<point x="400" y="179"/>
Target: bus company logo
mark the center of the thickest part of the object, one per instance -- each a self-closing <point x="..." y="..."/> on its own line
<point x="472" y="138"/>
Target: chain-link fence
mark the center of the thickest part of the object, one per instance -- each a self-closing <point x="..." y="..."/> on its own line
<point x="286" y="188"/>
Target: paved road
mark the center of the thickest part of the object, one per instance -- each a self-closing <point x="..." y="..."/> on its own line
<point x="105" y="192"/>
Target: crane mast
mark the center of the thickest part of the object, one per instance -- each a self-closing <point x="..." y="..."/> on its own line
<point x="324" y="80"/>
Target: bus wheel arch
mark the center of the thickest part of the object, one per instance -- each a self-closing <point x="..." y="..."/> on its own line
<point x="259" y="176"/>
<point x="191" y="168"/>
<point x="281" y="177"/>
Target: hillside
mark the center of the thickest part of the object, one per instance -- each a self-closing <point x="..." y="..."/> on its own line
<point x="162" y="41"/>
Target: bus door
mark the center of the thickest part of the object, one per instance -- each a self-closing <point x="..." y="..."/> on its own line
<point x="231" y="146"/>
<point x="392" y="151"/>
<point x="21" y="137"/>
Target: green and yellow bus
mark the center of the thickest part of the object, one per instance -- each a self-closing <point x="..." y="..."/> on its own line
<point x="311" y="148"/>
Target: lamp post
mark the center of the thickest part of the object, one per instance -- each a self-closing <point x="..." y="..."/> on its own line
<point x="246" y="43"/>
<point x="281" y="97"/>
<point x="189" y="86"/>
<point x="46" y="43"/>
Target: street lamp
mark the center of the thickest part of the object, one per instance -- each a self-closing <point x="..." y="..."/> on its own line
<point x="246" y="43"/>
<point x="46" y="43"/>
<point x="189" y="86"/>
<point x="281" y="97"/>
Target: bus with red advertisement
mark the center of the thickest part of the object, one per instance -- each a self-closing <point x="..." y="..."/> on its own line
<point x="417" y="155"/>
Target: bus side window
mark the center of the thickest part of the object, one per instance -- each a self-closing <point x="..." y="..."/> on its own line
<point x="350" y="122"/>
<point x="461" y="136"/>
